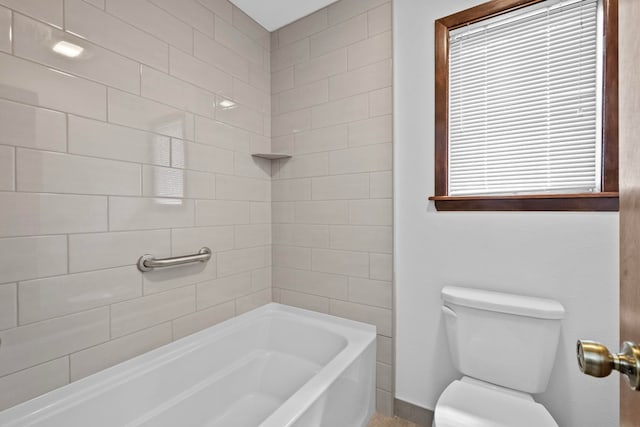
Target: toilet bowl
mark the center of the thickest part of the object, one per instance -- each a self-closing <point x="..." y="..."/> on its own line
<point x="505" y="346"/>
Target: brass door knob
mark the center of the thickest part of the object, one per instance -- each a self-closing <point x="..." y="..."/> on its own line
<point x="596" y="360"/>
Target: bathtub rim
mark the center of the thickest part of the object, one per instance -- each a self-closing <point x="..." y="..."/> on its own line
<point x="359" y="337"/>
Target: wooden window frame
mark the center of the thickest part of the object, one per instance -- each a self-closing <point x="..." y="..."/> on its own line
<point x="606" y="200"/>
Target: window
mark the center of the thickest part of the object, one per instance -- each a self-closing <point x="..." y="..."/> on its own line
<point x="526" y="106"/>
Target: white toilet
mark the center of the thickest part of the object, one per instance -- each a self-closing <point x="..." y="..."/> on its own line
<point x="505" y="346"/>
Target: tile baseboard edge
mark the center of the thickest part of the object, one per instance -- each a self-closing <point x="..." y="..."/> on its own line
<point x="410" y="412"/>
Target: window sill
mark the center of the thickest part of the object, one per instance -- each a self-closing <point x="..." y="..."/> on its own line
<point x="587" y="202"/>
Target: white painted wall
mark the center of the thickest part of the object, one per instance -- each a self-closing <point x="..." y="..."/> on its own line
<point x="571" y="257"/>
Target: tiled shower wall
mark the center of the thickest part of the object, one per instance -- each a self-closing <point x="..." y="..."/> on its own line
<point x="332" y="202"/>
<point x="122" y="151"/>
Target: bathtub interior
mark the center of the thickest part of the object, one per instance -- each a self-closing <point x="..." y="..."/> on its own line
<point x="238" y="376"/>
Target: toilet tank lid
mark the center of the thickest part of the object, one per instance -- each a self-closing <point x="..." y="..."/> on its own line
<point x="521" y="305"/>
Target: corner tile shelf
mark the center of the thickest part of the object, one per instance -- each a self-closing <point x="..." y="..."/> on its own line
<point x="272" y="156"/>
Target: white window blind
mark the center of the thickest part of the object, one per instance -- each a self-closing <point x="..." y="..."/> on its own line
<point x="524" y="102"/>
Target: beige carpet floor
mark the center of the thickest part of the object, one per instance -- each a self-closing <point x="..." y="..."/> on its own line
<point x="382" y="421"/>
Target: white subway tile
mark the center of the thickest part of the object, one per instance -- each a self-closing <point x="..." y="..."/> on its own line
<point x="282" y="80"/>
<point x="44" y="171"/>
<point x="305" y="301"/>
<point x="261" y="278"/>
<point x="251" y="28"/>
<point x="99" y="139"/>
<point x="5" y="30"/>
<point x="341" y="262"/>
<point x="361" y="80"/>
<point x="222" y="8"/>
<point x="106" y="250"/>
<point x="194" y="322"/>
<point x="304" y="166"/>
<point x="230" y="187"/>
<point x="222" y="212"/>
<point x="381" y="102"/>
<point x="129" y="110"/>
<point x="103" y="356"/>
<point x="311" y="282"/>
<point x="29" y="345"/>
<point x="251" y="166"/>
<point x="191" y="12"/>
<point x="381" y="266"/>
<point x="212" y="132"/>
<point x="384" y="349"/>
<point x="371" y="50"/>
<point x="110" y="32"/>
<point x="381" y="185"/>
<point x="189" y="240"/>
<point x="35" y="41"/>
<point x="237" y="261"/>
<point x="289" y="55"/>
<point x="321" y="67"/>
<point x="154" y="20"/>
<point x="214" y="292"/>
<point x="324" y="139"/>
<point x="260" y="75"/>
<point x="201" y="157"/>
<point x="133" y="213"/>
<point x="34" y="84"/>
<point x="227" y="35"/>
<point x="379" y="19"/>
<point x="297" y="121"/>
<point x="291" y="257"/>
<point x="291" y="190"/>
<point x="303" y="27"/>
<point x="341" y="111"/>
<point x="341" y="187"/>
<point x="370" y="292"/>
<point x="49" y="11"/>
<point x="142" y="313"/>
<point x="165" y="279"/>
<point x="283" y="212"/>
<point x="220" y="56"/>
<point x="8" y="306"/>
<point x="369" y="158"/>
<point x="380" y="317"/>
<point x="199" y="73"/>
<point x="177" y="183"/>
<point x="384" y="376"/>
<point x="32" y="127"/>
<point x="252" y="301"/>
<point x="362" y="238"/>
<point x="253" y="235"/>
<point x="42" y="299"/>
<point x="261" y="212"/>
<point x="333" y="212"/>
<point x="302" y="97"/>
<point x="338" y="36"/>
<point x="342" y="10"/>
<point x="249" y="95"/>
<point x="371" y="212"/>
<point x="371" y="131"/>
<point x="25" y="214"/>
<point x="23" y="258"/>
<point x="29" y="383"/>
<point x="7" y="168"/>
<point x="177" y="93"/>
<point x="243" y="117"/>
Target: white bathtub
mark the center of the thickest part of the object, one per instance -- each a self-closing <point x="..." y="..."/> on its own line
<point x="275" y="366"/>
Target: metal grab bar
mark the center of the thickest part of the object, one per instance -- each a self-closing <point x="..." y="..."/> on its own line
<point x="149" y="262"/>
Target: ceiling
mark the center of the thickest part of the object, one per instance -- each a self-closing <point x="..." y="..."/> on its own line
<point x="273" y="14"/>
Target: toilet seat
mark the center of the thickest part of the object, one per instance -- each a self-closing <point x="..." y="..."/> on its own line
<point x="472" y="403"/>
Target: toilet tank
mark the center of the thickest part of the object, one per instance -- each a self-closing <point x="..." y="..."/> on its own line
<point x="504" y="339"/>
